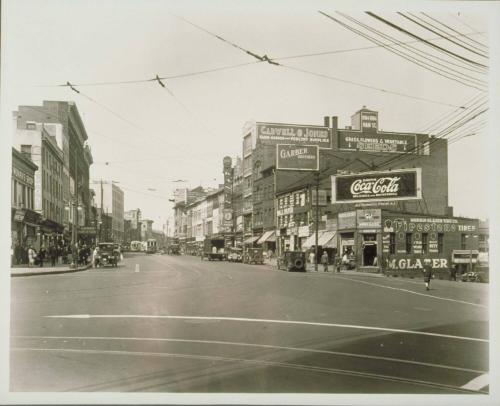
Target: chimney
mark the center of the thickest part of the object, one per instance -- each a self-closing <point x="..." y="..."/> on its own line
<point x="335" y="123"/>
<point x="326" y="121"/>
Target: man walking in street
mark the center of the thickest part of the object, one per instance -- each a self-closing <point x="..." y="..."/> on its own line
<point x="324" y="261"/>
<point x="427" y="273"/>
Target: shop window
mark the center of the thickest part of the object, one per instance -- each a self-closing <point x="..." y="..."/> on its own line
<point x="392" y="243"/>
<point x="440" y="243"/>
<point x="408" y="241"/>
<point x="425" y="243"/>
<point x="463" y="241"/>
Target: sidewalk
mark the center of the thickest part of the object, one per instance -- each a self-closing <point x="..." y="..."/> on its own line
<point x="23" y="270"/>
<point x="310" y="269"/>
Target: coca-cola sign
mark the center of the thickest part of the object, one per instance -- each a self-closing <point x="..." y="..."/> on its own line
<point x="403" y="184"/>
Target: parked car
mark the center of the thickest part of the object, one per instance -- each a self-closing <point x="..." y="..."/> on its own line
<point x="475" y="277"/>
<point x="253" y="256"/>
<point x="235" y="254"/>
<point x="292" y="261"/>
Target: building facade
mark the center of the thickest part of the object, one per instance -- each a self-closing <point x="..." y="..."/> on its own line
<point x="24" y="219"/>
<point x="62" y="120"/>
<point x="109" y="200"/>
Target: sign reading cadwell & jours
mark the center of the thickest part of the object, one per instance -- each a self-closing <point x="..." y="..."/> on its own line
<point x="272" y="133"/>
<point x="401" y="184"/>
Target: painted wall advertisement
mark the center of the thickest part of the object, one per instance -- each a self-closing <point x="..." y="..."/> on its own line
<point x="369" y="218"/>
<point x="270" y="133"/>
<point x="395" y="143"/>
<point x="428" y="225"/>
<point x="347" y="220"/>
<point x="297" y="157"/>
<point x="402" y="184"/>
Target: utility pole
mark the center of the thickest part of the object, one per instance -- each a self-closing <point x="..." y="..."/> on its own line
<point x="100" y="214"/>
<point x="317" y="224"/>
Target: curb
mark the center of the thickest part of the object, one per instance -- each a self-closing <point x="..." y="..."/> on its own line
<point x="65" y="270"/>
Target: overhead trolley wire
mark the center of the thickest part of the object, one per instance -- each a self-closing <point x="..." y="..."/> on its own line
<point x="397" y="27"/>
<point x="461" y="35"/>
<point x="425" y="55"/>
<point x="449" y="75"/>
<point x="413" y="20"/>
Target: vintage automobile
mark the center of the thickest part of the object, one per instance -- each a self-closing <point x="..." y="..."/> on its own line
<point x="235" y="254"/>
<point x="253" y="256"/>
<point x="109" y="254"/>
<point x="292" y="261"/>
<point x="475" y="277"/>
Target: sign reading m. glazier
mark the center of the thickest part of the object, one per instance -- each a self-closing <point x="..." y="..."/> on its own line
<point x="297" y="157"/>
<point x="270" y="133"/>
<point x="402" y="184"/>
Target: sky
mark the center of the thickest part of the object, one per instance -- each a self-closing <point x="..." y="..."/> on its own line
<point x="146" y="137"/>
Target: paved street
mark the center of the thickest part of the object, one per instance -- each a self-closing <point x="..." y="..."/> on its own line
<point x="162" y="323"/>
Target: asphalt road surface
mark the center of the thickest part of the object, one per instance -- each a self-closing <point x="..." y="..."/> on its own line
<point x="162" y="323"/>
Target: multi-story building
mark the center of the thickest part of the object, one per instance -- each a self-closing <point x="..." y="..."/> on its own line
<point x="24" y="219"/>
<point x="146" y="229"/>
<point x="62" y="120"/>
<point x="42" y="148"/>
<point x="133" y="232"/>
<point x="109" y="200"/>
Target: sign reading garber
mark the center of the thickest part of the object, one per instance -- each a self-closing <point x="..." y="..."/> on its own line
<point x="402" y="184"/>
<point x="269" y="133"/>
<point x="297" y="157"/>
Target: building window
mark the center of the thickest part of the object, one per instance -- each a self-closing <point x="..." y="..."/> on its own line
<point x="463" y="241"/>
<point x="440" y="243"/>
<point x="392" y="243"/>
<point x="30" y="126"/>
<point x="26" y="150"/>
<point x="425" y="243"/>
<point x="14" y="193"/>
<point x="408" y="241"/>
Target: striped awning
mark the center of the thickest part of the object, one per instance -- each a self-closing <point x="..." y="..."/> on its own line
<point x="267" y="236"/>
<point x="251" y="240"/>
<point x="326" y="239"/>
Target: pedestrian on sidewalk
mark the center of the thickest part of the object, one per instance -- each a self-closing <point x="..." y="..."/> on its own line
<point x="427" y="273"/>
<point x="52" y="254"/>
<point x="41" y="255"/>
<point x="31" y="257"/>
<point x="453" y="272"/>
<point x="324" y="261"/>
<point x="338" y="262"/>
<point x="312" y="257"/>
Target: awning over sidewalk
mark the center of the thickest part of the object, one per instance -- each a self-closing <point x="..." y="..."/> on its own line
<point x="326" y="239"/>
<point x="251" y="240"/>
<point x="267" y="236"/>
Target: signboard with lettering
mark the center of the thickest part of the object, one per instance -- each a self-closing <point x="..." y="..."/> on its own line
<point x="23" y="177"/>
<point x="369" y="218"/>
<point x="429" y="225"/>
<point x="347" y="220"/>
<point x="373" y="142"/>
<point x="297" y="158"/>
<point x="271" y="133"/>
<point x="401" y="184"/>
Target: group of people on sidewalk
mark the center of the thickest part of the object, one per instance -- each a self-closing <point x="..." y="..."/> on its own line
<point x="58" y="255"/>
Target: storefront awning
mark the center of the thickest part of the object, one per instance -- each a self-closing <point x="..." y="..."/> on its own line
<point x="251" y="240"/>
<point x="326" y="239"/>
<point x="267" y="236"/>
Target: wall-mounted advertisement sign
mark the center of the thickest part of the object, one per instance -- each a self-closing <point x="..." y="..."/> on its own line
<point x="401" y="184"/>
<point x="297" y="157"/>
<point x="385" y="142"/>
<point x="270" y="133"/>
<point x="369" y="218"/>
<point x="429" y="225"/>
<point x="347" y="220"/>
